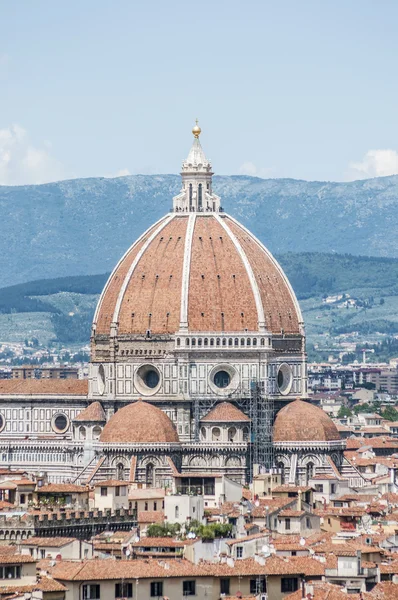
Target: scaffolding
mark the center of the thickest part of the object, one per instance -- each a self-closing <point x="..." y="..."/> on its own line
<point x="259" y="407"/>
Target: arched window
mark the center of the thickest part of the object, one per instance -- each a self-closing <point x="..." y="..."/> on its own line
<point x="96" y="432"/>
<point x="230" y="342"/>
<point x="224" y="342"/>
<point x="178" y="341"/>
<point x="262" y="342"/>
<point x="245" y="434"/>
<point x="218" y="341"/>
<point x="203" y="433"/>
<point x="206" y="342"/>
<point x="120" y="472"/>
<point x="248" y="342"/>
<point x="216" y="434"/>
<point x="212" y="342"/>
<point x="199" y="341"/>
<point x="231" y="434"/>
<point x="82" y="433"/>
<point x="190" y="195"/>
<point x="187" y="342"/>
<point x="281" y="467"/>
<point x="236" y="342"/>
<point x="193" y="342"/>
<point x="242" y="341"/>
<point x="200" y="196"/>
<point x="177" y="512"/>
<point x="310" y="471"/>
<point x="149" y="474"/>
<point x="255" y="342"/>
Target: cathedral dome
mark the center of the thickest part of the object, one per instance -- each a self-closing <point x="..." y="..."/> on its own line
<point x="137" y="423"/>
<point x="301" y="421"/>
<point x="199" y="272"/>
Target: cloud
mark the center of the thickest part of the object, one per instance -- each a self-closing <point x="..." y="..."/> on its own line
<point x="249" y="168"/>
<point x="375" y="163"/>
<point x="22" y="163"/>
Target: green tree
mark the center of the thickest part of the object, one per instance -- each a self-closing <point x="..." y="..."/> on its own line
<point x="390" y="414"/>
<point x="344" y="412"/>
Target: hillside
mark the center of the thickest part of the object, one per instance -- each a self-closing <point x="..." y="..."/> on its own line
<point x="83" y="226"/>
<point x="62" y="309"/>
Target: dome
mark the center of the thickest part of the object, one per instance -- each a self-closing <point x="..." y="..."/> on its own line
<point x="225" y="412"/>
<point x="301" y="421"/>
<point x="137" y="423"/>
<point x="201" y="272"/>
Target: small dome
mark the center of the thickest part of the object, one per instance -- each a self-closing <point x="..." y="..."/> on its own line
<point x="225" y="412"/>
<point x="139" y="422"/>
<point x="301" y="421"/>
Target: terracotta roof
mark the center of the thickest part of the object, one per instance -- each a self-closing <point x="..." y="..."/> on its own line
<point x="47" y="542"/>
<point x="60" y="488"/>
<point x="321" y="590"/>
<point x="291" y="488"/>
<point x="220" y="287"/>
<point x="225" y="412"/>
<point x="301" y="421"/>
<point x="163" y="542"/>
<point x="139" y="422"/>
<point x="385" y="590"/>
<point x="55" y="387"/>
<point x="150" y="516"/>
<point x="146" y="493"/>
<point x="102" y="569"/>
<point x="247" y="538"/>
<point x="16" y="559"/>
<point x="93" y="413"/>
<point x="292" y="513"/>
<point x="111" y="483"/>
<point x="46" y="584"/>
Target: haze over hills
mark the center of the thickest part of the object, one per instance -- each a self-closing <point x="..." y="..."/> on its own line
<point x="62" y="309"/>
<point x="84" y="226"/>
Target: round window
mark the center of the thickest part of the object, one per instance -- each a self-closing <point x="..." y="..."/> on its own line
<point x="222" y="379"/>
<point x="147" y="380"/>
<point x="60" y="423"/>
<point x="151" y="378"/>
<point x="284" y="379"/>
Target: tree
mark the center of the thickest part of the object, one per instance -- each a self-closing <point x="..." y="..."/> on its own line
<point x="344" y="412"/>
<point x="390" y="414"/>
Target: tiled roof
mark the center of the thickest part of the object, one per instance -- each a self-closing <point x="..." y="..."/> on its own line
<point x="385" y="590"/>
<point x="111" y="483"/>
<point x="247" y="538"/>
<point x="301" y="421"/>
<point x="98" y="569"/>
<point x="54" y="387"/>
<point x="139" y="422"/>
<point x="292" y="513"/>
<point x="46" y="584"/>
<point x="47" y="542"/>
<point x="93" y="413"/>
<point x="61" y="488"/>
<point x="150" y="516"/>
<point x="220" y="287"/>
<point x="16" y="559"/>
<point x="321" y="590"/>
<point x="292" y="488"/>
<point x="156" y="542"/>
<point x="146" y="494"/>
<point x="225" y="412"/>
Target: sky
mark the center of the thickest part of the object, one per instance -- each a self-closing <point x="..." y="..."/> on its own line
<point x="303" y="89"/>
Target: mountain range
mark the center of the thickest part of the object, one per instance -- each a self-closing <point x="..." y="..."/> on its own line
<point x="83" y="226"/>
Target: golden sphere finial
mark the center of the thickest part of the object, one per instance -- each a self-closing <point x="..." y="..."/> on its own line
<point x="196" y="130"/>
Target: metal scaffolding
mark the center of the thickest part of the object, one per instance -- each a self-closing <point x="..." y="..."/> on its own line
<point x="259" y="407"/>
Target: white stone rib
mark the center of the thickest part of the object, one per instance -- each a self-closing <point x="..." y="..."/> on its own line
<point x="135" y="262"/>
<point x="99" y="303"/>
<point x="186" y="270"/>
<point x="277" y="266"/>
<point x="249" y="271"/>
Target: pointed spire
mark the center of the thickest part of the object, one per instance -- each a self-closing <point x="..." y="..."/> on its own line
<point x="196" y="194"/>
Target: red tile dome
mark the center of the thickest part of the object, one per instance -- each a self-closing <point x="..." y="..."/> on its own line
<point x="301" y="421"/>
<point x="202" y="269"/>
<point x="139" y="422"/>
